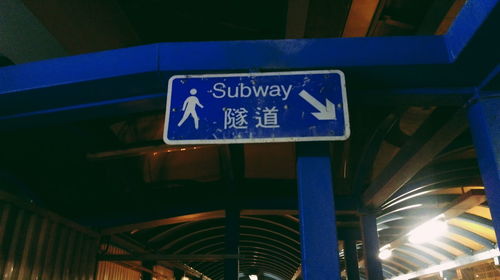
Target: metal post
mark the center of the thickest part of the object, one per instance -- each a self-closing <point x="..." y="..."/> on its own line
<point x="233" y="167"/>
<point x="351" y="259"/>
<point x="371" y="247"/>
<point x="484" y="120"/>
<point x="231" y="266"/>
<point x="318" y="232"/>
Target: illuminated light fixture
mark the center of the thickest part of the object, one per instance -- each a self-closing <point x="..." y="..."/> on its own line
<point x="253" y="277"/>
<point x="184" y="278"/>
<point x="428" y="231"/>
<point x="385" y="252"/>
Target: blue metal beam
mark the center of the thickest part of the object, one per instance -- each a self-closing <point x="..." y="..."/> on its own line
<point x="491" y="84"/>
<point x="285" y="54"/>
<point x="318" y="232"/>
<point x="133" y="80"/>
<point x="467" y="24"/>
<point x="371" y="247"/>
<point x="484" y="121"/>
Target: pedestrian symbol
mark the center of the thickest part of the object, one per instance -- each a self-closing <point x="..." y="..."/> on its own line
<point x="189" y="108"/>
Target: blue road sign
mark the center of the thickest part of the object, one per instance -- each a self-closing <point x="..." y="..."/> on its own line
<point x="256" y="108"/>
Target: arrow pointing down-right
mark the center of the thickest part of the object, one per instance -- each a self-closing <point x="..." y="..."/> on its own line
<point x="326" y="112"/>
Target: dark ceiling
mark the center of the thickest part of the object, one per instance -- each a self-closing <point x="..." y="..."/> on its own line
<point x="111" y="172"/>
<point x="173" y="21"/>
<point x="87" y="26"/>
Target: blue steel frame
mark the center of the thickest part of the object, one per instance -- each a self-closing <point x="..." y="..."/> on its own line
<point x="433" y="70"/>
<point x="318" y="231"/>
<point x="420" y="70"/>
<point x="484" y="119"/>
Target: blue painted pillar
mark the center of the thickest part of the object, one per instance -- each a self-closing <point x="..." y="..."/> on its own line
<point x="371" y="247"/>
<point x="233" y="167"/>
<point x="318" y="232"/>
<point x="484" y="121"/>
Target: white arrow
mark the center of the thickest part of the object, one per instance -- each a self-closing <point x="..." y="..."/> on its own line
<point x="325" y="112"/>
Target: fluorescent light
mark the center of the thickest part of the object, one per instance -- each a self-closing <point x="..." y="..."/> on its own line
<point x="428" y="231"/>
<point x="385" y="252"/>
<point x="253" y="277"/>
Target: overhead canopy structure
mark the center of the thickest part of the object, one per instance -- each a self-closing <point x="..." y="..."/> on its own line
<point x="81" y="136"/>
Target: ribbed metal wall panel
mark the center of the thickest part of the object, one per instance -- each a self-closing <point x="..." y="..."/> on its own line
<point x="127" y="270"/>
<point x="38" y="244"/>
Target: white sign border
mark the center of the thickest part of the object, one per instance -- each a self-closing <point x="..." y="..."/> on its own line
<point x="258" y="140"/>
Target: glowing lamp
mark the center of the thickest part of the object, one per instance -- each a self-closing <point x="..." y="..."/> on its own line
<point x="428" y="231"/>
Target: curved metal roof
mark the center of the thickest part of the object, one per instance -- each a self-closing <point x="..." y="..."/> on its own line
<point x="269" y="237"/>
<point x="448" y="187"/>
<point x="77" y="164"/>
<point x="267" y="244"/>
<point x="270" y="243"/>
